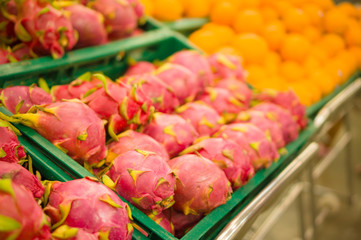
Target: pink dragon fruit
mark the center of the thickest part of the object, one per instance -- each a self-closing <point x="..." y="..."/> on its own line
<point x="228" y="156"/>
<point x="182" y="81"/>
<point x="203" y="190"/>
<point x="138" y="8"/>
<point x="265" y="122"/>
<point x="172" y="131"/>
<point x="67" y="233"/>
<point x="163" y="98"/>
<point x="226" y="66"/>
<point x="262" y="150"/>
<point x="182" y="223"/>
<point x="162" y="220"/>
<point x="89" y="25"/>
<point x="22" y="52"/>
<point x="224" y="102"/>
<point x="21" y="176"/>
<point x="21" y="216"/>
<point x="120" y="18"/>
<point x="287" y="100"/>
<point x="144" y="179"/>
<point x="6" y="56"/>
<point x="140" y="68"/>
<point x="89" y="205"/>
<point x="204" y="119"/>
<point x="71" y="126"/>
<point x="10" y="149"/>
<point x="289" y="126"/>
<point x="7" y="13"/>
<point x="20" y="99"/>
<point x="131" y="140"/>
<point x="238" y="88"/>
<point x="43" y="28"/>
<point x="196" y="63"/>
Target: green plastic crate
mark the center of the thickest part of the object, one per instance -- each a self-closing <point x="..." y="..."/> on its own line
<point x="186" y="25"/>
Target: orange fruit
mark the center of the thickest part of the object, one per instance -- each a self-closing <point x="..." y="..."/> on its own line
<point x="254" y="4"/>
<point x="295" y="47"/>
<point x="348" y="63"/>
<point x="335" y="21"/>
<point x="334" y="68"/>
<point x="325" y="4"/>
<point x="167" y="10"/>
<point x="353" y="34"/>
<point x="274" y="33"/>
<point x="255" y="74"/>
<point x="248" y="21"/>
<point x="356" y="51"/>
<point x="251" y="46"/>
<point x="223" y="12"/>
<point x="199" y="8"/>
<point x="291" y="71"/>
<point x="324" y="80"/>
<point x="226" y="49"/>
<point x="303" y="92"/>
<point x="318" y="53"/>
<point x="347" y="8"/>
<point x="281" y="6"/>
<point x="271" y="82"/>
<point x="295" y="20"/>
<point x="272" y="63"/>
<point x="314" y="13"/>
<point x="311" y="64"/>
<point x="148" y="7"/>
<point x="312" y="33"/>
<point x="332" y="44"/>
<point x="269" y="13"/>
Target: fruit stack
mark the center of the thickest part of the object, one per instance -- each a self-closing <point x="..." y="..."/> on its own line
<point x="173" y="138"/>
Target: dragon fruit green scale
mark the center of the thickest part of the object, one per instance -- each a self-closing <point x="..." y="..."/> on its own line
<point x="10" y="149"/>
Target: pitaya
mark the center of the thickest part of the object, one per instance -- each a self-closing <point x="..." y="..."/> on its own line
<point x="289" y="126"/>
<point x="43" y="28"/>
<point x="182" y="223"/>
<point x="131" y="140"/>
<point x="67" y="233"/>
<point x="224" y="102"/>
<point x="89" y="25"/>
<point x="172" y="131"/>
<point x="6" y="56"/>
<point x="202" y="185"/>
<point x="204" y="119"/>
<point x="162" y="96"/>
<point x="20" y="99"/>
<point x="10" y="149"/>
<point x="261" y="149"/>
<point x="120" y="18"/>
<point x="71" y="126"/>
<point x="265" y="122"/>
<point x="238" y="88"/>
<point x="163" y="220"/>
<point x="287" y="100"/>
<point x="228" y="156"/>
<point x="22" y="52"/>
<point x="182" y="81"/>
<point x="196" y="63"/>
<point x="145" y="179"/>
<point x="89" y="205"/>
<point x="138" y="8"/>
<point x="140" y="68"/>
<point x="21" y="176"/>
<point x="7" y="14"/>
<point x="226" y="66"/>
<point x="21" y="216"/>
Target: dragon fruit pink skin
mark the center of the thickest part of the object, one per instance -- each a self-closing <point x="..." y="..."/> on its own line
<point x="228" y="156"/>
<point x="10" y="149"/>
<point x="182" y="81"/>
<point x="226" y="66"/>
<point x="77" y="234"/>
<point x="182" y="223"/>
<point x="21" y="176"/>
<point x="163" y="220"/>
<point x="203" y="190"/>
<point x="265" y="122"/>
<point x="22" y="98"/>
<point x="23" y="216"/>
<point x="138" y="8"/>
<point x="6" y="56"/>
<point x="172" y="131"/>
<point x="131" y="140"/>
<point x="289" y="126"/>
<point x="89" y="25"/>
<point x="145" y="179"/>
<point x="84" y="130"/>
<point x="140" y="68"/>
<point x="22" y="52"/>
<point x="89" y="205"/>
<point x="238" y="88"/>
<point x="204" y="119"/>
<point x="196" y="63"/>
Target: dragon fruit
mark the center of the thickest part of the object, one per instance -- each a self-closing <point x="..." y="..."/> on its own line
<point x="20" y="99"/>
<point x="67" y="233"/>
<point x="138" y="8"/>
<point x="7" y="11"/>
<point x="196" y="63"/>
<point x="10" y="149"/>
<point x="262" y="150"/>
<point x="201" y="191"/>
<point x="120" y="18"/>
<point x="140" y="68"/>
<point x="89" y="25"/>
<point x="289" y="126"/>
<point x="21" y="176"/>
<point x="182" y="223"/>
<point x="89" y="205"/>
<point x="71" y="126"/>
<point x="163" y="98"/>
<point x="237" y="87"/>
<point x="182" y="81"/>
<point x="131" y="140"/>
<point x="172" y="131"/>
<point x="163" y="220"/>
<point x="6" y="56"/>
<point x="43" y="28"/>
<point x="144" y="179"/>
<point x="287" y="100"/>
<point x="228" y="156"/>
<point x="204" y="119"/>
<point x="21" y="216"/>
<point x="226" y="66"/>
<point x="265" y="122"/>
<point x="224" y="102"/>
<point x="22" y="52"/>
